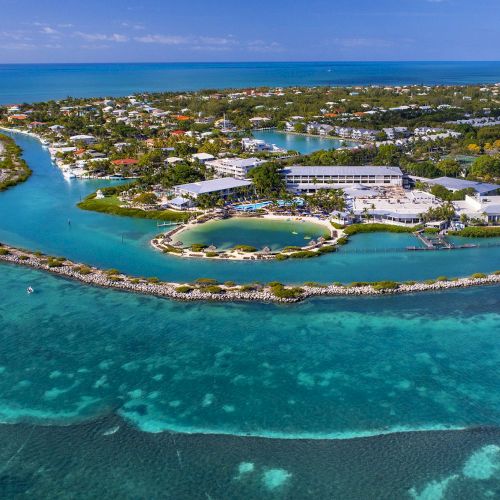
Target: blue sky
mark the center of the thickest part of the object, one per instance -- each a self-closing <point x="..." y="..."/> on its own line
<point x="272" y="30"/>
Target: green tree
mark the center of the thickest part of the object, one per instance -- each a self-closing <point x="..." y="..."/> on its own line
<point x="449" y="167"/>
<point x="486" y="166"/>
<point x="267" y="180"/>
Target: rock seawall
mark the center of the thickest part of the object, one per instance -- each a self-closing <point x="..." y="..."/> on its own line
<point x="201" y="291"/>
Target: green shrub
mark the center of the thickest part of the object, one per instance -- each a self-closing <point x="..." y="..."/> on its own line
<point x="83" y="270"/>
<point x="430" y="282"/>
<point x="112" y="272"/>
<point x="292" y="249"/>
<point x="171" y="249"/>
<point x="229" y="283"/>
<point x="184" y="289"/>
<point x="478" y="275"/>
<point x="248" y="288"/>
<point x="442" y="278"/>
<point x="213" y="289"/>
<point x="377" y="227"/>
<point x="51" y="262"/>
<point x="342" y="241"/>
<point x="336" y="225"/>
<point x="281" y="256"/>
<point x="135" y="281"/>
<point x="327" y="249"/>
<point x="385" y="285"/>
<point x="153" y="280"/>
<point x="4" y="251"/>
<point x="478" y="232"/>
<point x="314" y="284"/>
<point x="203" y="282"/>
<point x="304" y="254"/>
<point x="23" y="257"/>
<point x="211" y="254"/>
<point x="496" y="273"/>
<point x="357" y="284"/>
<point x="410" y="282"/>
<point x="245" y="248"/>
<point x="278" y="290"/>
<point x="431" y="230"/>
<point x="198" y="247"/>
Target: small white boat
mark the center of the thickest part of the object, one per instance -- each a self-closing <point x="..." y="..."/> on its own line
<point x="29" y="290"/>
<point x="68" y="174"/>
<point x="295" y="232"/>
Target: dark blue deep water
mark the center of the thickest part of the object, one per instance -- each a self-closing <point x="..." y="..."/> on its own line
<point x="40" y="82"/>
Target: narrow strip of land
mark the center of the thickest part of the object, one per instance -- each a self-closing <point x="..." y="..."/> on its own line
<point x="205" y="289"/>
<point x="13" y="169"/>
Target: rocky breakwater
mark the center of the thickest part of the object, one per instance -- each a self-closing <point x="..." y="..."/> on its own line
<point x="205" y="289"/>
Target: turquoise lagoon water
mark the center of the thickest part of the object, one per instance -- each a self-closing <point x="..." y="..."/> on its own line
<point x="39" y="82"/>
<point x="259" y="233"/>
<point x="36" y="215"/>
<point x="304" y="144"/>
<point x="341" y="367"/>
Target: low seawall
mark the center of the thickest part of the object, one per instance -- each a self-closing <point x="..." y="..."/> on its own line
<point x="205" y="290"/>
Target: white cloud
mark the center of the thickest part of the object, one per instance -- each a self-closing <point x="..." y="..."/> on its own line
<point x="47" y="30"/>
<point x="101" y="37"/>
<point x="163" y="39"/>
<point x="354" y="42"/>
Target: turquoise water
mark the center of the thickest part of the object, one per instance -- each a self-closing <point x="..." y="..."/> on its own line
<point x="99" y="383"/>
<point x="35" y="215"/>
<point x="259" y="233"/>
<point x="304" y="144"/>
<point x="39" y="82"/>
<point x="341" y="367"/>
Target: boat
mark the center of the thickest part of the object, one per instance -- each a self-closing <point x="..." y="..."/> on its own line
<point x="29" y="290"/>
<point x="69" y="174"/>
<point x="295" y="232"/>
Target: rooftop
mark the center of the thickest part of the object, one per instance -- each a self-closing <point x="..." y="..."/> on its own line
<point x="341" y="170"/>
<point x="213" y="185"/>
<point x="458" y="184"/>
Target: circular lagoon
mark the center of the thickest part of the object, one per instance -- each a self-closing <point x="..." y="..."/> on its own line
<point x="258" y="233"/>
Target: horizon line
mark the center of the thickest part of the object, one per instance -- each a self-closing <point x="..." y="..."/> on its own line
<point x="264" y="62"/>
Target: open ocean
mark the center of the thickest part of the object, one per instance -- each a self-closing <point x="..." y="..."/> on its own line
<point x="39" y="82"/>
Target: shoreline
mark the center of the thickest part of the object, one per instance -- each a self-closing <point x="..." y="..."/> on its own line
<point x="207" y="290"/>
<point x="166" y="244"/>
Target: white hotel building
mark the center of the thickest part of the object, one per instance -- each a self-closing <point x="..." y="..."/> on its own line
<point x="301" y="179"/>
<point x="233" y="167"/>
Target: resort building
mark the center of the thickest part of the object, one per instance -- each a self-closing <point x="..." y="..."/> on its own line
<point x="233" y="167"/>
<point x="300" y="179"/>
<point x="223" y="188"/>
<point x="453" y="184"/>
<point x="396" y="207"/>
<point x="485" y="208"/>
